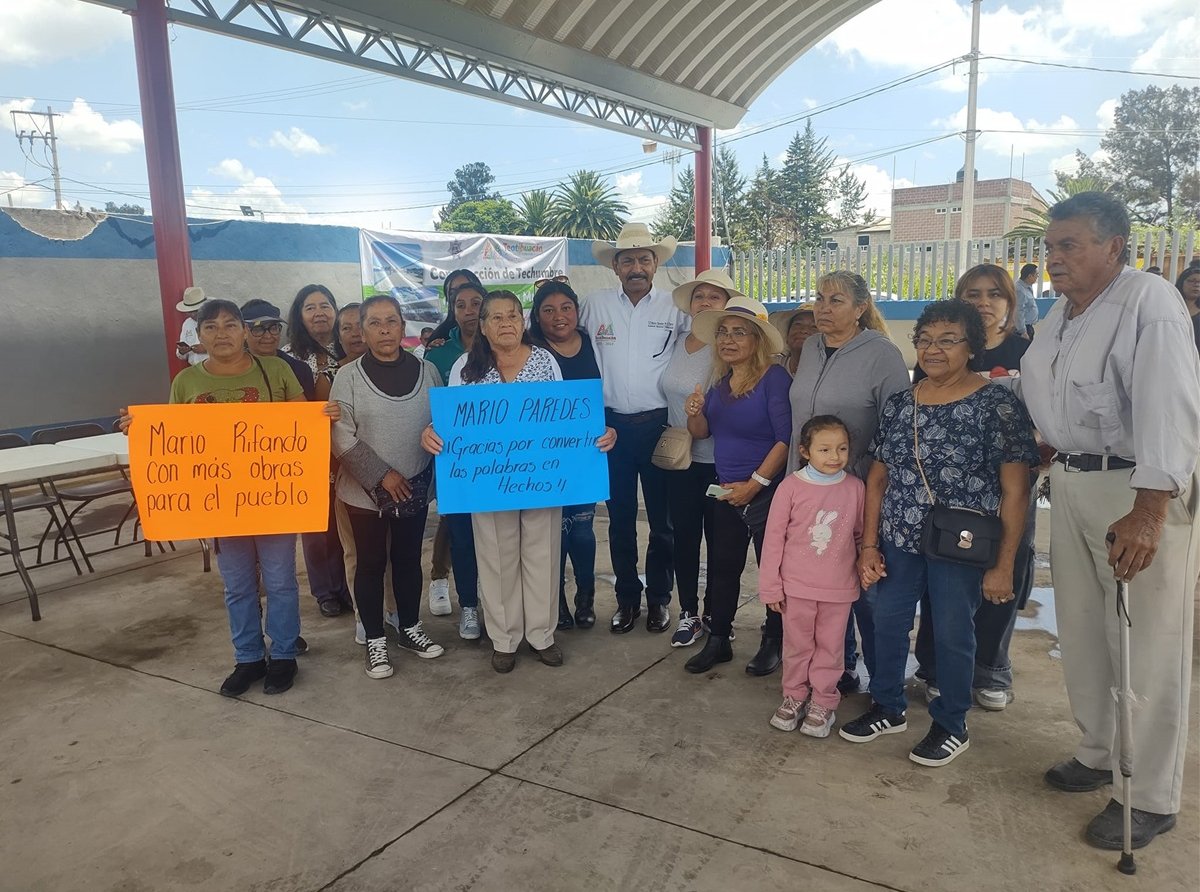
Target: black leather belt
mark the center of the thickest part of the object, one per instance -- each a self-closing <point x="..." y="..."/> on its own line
<point x="1082" y="461"/>
<point x="637" y="417"/>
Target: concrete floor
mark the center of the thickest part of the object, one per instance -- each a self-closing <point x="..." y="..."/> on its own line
<point x="123" y="769"/>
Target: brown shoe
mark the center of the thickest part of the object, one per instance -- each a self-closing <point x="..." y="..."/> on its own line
<point x="551" y="656"/>
<point x="503" y="662"/>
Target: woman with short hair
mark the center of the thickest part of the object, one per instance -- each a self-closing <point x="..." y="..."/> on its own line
<point x="385" y="476"/>
<point x="747" y="414"/>
<point x="517" y="551"/>
<point x="956" y="441"/>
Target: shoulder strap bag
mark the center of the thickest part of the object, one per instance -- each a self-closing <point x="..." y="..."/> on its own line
<point x="958" y="535"/>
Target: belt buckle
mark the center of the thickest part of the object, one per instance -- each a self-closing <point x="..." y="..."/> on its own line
<point x="1067" y="464"/>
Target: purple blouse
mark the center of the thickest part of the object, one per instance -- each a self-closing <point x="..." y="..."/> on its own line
<point x="745" y="429"/>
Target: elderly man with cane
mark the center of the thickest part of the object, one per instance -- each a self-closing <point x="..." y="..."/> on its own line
<point x="1113" y="383"/>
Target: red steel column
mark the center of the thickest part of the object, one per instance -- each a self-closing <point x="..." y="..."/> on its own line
<point x="171" y="247"/>
<point x="704" y="160"/>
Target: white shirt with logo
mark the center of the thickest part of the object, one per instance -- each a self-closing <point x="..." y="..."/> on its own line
<point x="633" y="344"/>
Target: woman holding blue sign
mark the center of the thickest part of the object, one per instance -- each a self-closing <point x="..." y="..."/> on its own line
<point x="517" y="551"/>
<point x="748" y="415"/>
<point x="554" y="324"/>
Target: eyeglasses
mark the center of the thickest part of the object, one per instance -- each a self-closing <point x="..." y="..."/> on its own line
<point x="262" y="328"/>
<point x="734" y="334"/>
<point x="940" y="343"/>
<point x="562" y="280"/>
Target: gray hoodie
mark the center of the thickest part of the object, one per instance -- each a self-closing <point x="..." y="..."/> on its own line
<point x="852" y="384"/>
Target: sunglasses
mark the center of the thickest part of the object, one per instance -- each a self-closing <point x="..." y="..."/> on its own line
<point x="562" y="280"/>
<point x="262" y="328"/>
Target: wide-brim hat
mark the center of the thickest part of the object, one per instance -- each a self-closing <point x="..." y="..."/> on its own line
<point x="682" y="295"/>
<point x="704" y="326"/>
<point x="192" y="298"/>
<point x="634" y="235"/>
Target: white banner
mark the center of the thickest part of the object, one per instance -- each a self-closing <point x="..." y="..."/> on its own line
<point x="412" y="265"/>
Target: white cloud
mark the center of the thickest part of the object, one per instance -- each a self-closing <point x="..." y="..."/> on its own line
<point x="879" y="185"/>
<point x="259" y="192"/>
<point x="298" y="142"/>
<point x="48" y="30"/>
<point x="20" y="192"/>
<point x="809" y="103"/>
<point x="1106" y="112"/>
<point x="1005" y="133"/>
<point x="356" y="105"/>
<point x="81" y="127"/>
<point x="1116" y="18"/>
<point x="1068" y="164"/>
<point x="642" y="207"/>
<point x="1176" y="51"/>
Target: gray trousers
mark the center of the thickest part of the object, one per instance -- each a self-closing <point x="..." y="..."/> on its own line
<point x="518" y="557"/>
<point x="1161" y="604"/>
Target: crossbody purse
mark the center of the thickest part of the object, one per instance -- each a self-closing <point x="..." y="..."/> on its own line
<point x="958" y="535"/>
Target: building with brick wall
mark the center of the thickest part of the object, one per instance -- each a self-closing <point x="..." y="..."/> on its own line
<point x="934" y="213"/>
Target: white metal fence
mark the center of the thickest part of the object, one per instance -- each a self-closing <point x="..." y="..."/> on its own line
<point x="926" y="270"/>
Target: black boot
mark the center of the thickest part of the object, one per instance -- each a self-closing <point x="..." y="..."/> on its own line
<point x="564" y="613"/>
<point x="769" y="656"/>
<point x="716" y="650"/>
<point x="585" y="615"/>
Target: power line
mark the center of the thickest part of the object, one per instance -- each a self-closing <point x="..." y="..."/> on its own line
<point x="1020" y="61"/>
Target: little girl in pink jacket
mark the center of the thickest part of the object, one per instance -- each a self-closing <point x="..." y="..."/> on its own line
<point x="808" y="573"/>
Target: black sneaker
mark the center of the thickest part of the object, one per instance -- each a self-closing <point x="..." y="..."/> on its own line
<point x="848" y="683"/>
<point x="872" y="723"/>
<point x="243" y="675"/>
<point x="415" y="641"/>
<point x="280" y="676"/>
<point x="939" y="747"/>
<point x="301" y="645"/>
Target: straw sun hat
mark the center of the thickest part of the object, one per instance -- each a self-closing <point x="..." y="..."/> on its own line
<point x="683" y="293"/>
<point x="704" y="326"/>
<point x="634" y="235"/>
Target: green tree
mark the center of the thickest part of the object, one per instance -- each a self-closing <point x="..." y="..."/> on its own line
<point x="678" y="216"/>
<point x="850" y="194"/>
<point x="1034" y="225"/>
<point x="763" y="223"/>
<point x="534" y="210"/>
<point x="497" y="216"/>
<point x="1152" y="147"/>
<point x="584" y="207"/>
<point x="472" y="182"/>
<point x="131" y="210"/>
<point x="806" y="187"/>
<point x="729" y="198"/>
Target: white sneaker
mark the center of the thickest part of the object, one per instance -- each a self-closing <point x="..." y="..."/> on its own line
<point x="468" y="624"/>
<point x="818" y="721"/>
<point x="414" y="640"/>
<point x="378" y="665"/>
<point x="931" y="693"/>
<point x="993" y="699"/>
<point x="360" y="634"/>
<point x="439" y="597"/>
<point x="788" y="715"/>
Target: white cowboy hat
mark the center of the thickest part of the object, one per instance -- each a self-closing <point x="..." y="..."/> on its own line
<point x="192" y="298"/>
<point x="704" y="326"/>
<point x="683" y="293"/>
<point x="634" y="235"/>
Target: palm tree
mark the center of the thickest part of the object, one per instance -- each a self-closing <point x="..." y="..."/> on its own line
<point x="584" y="207"/>
<point x="1034" y="226"/>
<point x="534" y="210"/>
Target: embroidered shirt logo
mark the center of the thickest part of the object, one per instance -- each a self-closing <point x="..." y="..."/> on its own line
<point x="606" y="334"/>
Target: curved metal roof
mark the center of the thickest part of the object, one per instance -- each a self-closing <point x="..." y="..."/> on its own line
<point x="652" y="67"/>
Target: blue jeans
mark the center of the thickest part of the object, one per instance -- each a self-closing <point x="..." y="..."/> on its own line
<point x="955" y="591"/>
<point x="462" y="559"/>
<point x="239" y="559"/>
<point x="579" y="543"/>
<point x="863" y="612"/>
<point x="629" y="461"/>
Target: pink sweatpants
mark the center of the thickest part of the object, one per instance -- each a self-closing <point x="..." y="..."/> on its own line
<point x="814" y="634"/>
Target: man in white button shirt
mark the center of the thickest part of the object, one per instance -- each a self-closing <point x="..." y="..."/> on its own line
<point x="633" y="328"/>
<point x="1113" y="384"/>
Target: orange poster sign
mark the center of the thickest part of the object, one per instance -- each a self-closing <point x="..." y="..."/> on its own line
<point x="230" y="469"/>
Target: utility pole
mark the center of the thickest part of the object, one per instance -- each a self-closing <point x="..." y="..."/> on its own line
<point x="48" y="137"/>
<point x="967" y="217"/>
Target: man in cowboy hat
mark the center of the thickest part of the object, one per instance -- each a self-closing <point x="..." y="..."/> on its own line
<point x="189" y="347"/>
<point x="633" y="329"/>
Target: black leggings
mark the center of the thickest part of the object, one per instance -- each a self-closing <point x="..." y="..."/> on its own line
<point x="371" y="543"/>
<point x="691" y="519"/>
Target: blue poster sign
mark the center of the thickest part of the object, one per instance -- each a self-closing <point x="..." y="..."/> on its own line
<point x="512" y="446"/>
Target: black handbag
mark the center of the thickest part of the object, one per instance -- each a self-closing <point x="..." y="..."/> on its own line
<point x="754" y="514"/>
<point x="410" y="507"/>
<point x="958" y="535"/>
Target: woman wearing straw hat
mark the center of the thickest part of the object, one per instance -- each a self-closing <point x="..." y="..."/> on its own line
<point x="747" y="414"/>
<point x="691" y="510"/>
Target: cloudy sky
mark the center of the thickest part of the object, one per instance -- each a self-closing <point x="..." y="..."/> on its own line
<point x="305" y="139"/>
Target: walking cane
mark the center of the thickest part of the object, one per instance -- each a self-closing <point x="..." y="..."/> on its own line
<point x="1125" y="718"/>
